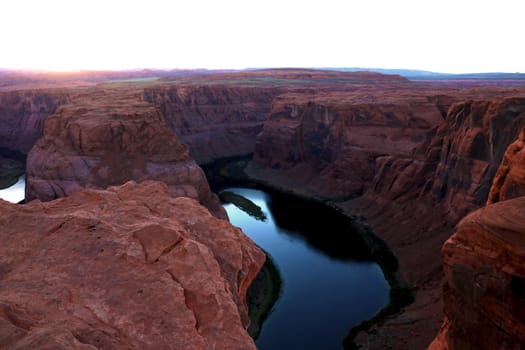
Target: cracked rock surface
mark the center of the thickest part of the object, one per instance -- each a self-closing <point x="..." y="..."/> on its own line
<point x="129" y="267"/>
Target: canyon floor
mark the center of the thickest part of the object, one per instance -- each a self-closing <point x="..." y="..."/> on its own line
<point x="409" y="159"/>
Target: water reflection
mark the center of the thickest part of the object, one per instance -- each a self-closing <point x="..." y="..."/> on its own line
<point x="330" y="283"/>
<point x="15" y="193"/>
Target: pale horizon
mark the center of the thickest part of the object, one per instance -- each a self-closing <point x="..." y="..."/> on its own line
<point x="437" y="36"/>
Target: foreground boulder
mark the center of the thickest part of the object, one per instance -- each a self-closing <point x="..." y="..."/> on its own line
<point x="107" y="138"/>
<point x="485" y="292"/>
<point x="125" y="268"/>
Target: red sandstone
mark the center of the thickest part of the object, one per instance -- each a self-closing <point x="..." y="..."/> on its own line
<point x="125" y="268"/>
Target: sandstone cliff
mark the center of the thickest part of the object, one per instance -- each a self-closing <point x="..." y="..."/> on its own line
<point x="471" y="146"/>
<point x="214" y="121"/>
<point x="125" y="268"/>
<point x="108" y="138"/>
<point x="22" y="116"/>
<point x="484" y="293"/>
<point x="509" y="181"/>
<point x="329" y="142"/>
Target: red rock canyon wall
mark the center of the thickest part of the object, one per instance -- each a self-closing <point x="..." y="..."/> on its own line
<point x="108" y="138"/>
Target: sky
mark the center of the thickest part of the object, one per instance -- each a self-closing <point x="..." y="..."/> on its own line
<point x="451" y="36"/>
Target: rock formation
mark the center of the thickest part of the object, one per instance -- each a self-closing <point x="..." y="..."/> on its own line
<point x="484" y="295"/>
<point x="472" y="143"/>
<point x="129" y="267"/>
<point x="509" y="181"/>
<point x="214" y="121"/>
<point x="22" y="116"/>
<point x="106" y="139"/>
<point x="329" y="142"/>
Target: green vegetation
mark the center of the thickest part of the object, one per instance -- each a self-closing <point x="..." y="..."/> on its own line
<point x="244" y="204"/>
<point x="262" y="295"/>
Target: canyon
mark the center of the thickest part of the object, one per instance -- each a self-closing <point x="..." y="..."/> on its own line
<point x="409" y="160"/>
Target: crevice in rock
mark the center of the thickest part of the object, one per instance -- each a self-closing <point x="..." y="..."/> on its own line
<point x="168" y="249"/>
<point x="188" y="305"/>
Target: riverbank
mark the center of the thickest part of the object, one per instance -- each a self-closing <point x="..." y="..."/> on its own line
<point x="262" y="295"/>
<point x="266" y="287"/>
<point x="240" y="170"/>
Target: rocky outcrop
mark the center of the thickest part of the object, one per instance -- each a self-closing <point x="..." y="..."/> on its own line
<point x="471" y="145"/>
<point x="485" y="278"/>
<point x="509" y="181"/>
<point x="214" y="121"/>
<point x="22" y="116"/>
<point x="129" y="267"/>
<point x="107" y="139"/>
<point x="484" y="296"/>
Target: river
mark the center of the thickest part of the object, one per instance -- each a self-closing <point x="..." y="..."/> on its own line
<point x="15" y="193"/>
<point x="329" y="281"/>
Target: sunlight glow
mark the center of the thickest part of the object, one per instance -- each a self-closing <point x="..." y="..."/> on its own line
<point x="446" y="36"/>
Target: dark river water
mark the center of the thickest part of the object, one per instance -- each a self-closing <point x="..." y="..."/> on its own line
<point x="329" y="282"/>
<point x="15" y="193"/>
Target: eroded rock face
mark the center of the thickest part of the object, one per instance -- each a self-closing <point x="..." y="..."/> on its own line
<point x="471" y="146"/>
<point x="108" y="139"/>
<point x="484" y="295"/>
<point x="330" y="142"/>
<point x="125" y="268"/>
<point x="214" y="121"/>
<point x="509" y="181"/>
<point x="22" y="116"/>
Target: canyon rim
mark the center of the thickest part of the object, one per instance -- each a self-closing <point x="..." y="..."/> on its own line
<point x="122" y="243"/>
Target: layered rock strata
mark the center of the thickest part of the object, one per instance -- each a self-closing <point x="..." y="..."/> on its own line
<point x="471" y="145"/>
<point x="98" y="142"/>
<point x="329" y="142"/>
<point x="214" y="121"/>
<point x="129" y="267"/>
<point x="22" y="116"/>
